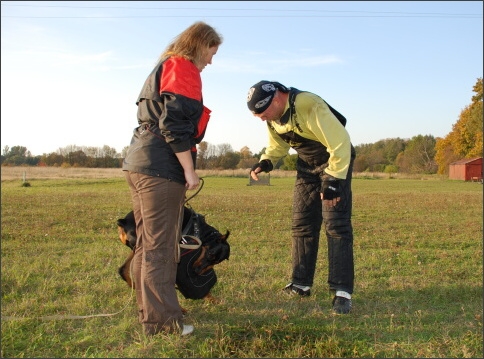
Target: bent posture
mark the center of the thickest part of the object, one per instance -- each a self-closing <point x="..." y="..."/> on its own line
<point x="322" y="194"/>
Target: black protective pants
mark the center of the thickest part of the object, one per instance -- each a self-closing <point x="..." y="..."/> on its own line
<point x="308" y="216"/>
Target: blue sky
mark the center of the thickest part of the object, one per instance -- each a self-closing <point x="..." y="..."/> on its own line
<point x="71" y="71"/>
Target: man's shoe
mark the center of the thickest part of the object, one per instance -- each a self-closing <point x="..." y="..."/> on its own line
<point x="187" y="329"/>
<point x="341" y="305"/>
<point x="293" y="288"/>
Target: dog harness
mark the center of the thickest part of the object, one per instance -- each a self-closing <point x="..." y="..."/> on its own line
<point x="191" y="284"/>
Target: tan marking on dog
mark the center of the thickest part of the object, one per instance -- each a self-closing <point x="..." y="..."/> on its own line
<point x="198" y="262"/>
<point x="123" y="237"/>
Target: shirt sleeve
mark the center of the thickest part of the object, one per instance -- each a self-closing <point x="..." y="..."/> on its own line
<point x="333" y="135"/>
<point x="181" y="93"/>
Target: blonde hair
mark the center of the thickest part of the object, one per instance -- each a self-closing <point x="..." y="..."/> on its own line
<point x="193" y="42"/>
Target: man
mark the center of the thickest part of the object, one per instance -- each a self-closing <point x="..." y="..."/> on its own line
<point x="322" y="192"/>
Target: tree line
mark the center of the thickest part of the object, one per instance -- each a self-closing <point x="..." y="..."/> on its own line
<point x="421" y="154"/>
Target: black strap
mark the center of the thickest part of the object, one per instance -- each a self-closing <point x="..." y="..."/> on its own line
<point x="339" y="116"/>
<point x="192" y="223"/>
<point x="292" y="108"/>
<point x="291" y="111"/>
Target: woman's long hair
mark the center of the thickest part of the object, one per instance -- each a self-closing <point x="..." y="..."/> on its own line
<point x="193" y="42"/>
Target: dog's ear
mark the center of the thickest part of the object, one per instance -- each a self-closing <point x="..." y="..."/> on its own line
<point x="225" y="236"/>
<point x="121" y="222"/>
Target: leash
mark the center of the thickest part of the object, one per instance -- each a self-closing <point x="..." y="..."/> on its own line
<point x="62" y="317"/>
<point x="192" y="221"/>
<point x="184" y="243"/>
<point x="202" y="182"/>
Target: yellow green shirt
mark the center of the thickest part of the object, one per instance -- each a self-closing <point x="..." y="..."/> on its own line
<point x="316" y="122"/>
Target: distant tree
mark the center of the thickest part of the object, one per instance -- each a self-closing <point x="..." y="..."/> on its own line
<point x="124" y="151"/>
<point x="245" y="153"/>
<point x="418" y="156"/>
<point x="78" y="159"/>
<point x="224" y="157"/>
<point x="245" y="163"/>
<point x="17" y="156"/>
<point x="109" y="157"/>
<point x="392" y="148"/>
<point x="52" y="159"/>
<point x="445" y="154"/>
<point x="64" y="151"/>
<point x="224" y="148"/>
<point x="361" y="163"/>
<point x="109" y="152"/>
<point x="211" y="157"/>
<point x="93" y="152"/>
<point x="202" y="155"/>
<point x="377" y="161"/>
<point x="374" y="156"/>
<point x="390" y="169"/>
<point x="229" y="160"/>
<point x="211" y="151"/>
<point x="465" y="140"/>
<point x="19" y="151"/>
<point x="469" y="126"/>
<point x="289" y="162"/>
<point x="92" y="156"/>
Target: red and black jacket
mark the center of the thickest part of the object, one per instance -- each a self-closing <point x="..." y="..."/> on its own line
<point x="171" y="119"/>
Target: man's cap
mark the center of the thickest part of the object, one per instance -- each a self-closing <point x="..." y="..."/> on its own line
<point x="261" y="95"/>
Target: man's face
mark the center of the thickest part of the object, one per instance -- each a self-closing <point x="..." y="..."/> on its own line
<point x="274" y="112"/>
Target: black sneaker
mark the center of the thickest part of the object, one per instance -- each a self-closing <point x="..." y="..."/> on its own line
<point x="303" y="292"/>
<point x="341" y="305"/>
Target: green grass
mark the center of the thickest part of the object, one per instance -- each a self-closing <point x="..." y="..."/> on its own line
<point x="418" y="262"/>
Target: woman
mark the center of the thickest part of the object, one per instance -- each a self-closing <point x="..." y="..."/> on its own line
<point x="160" y="168"/>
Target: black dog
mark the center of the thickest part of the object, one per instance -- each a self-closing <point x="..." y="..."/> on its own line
<point x="195" y="273"/>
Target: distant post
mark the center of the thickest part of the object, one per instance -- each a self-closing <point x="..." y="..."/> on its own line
<point x="24" y="180"/>
<point x="264" y="180"/>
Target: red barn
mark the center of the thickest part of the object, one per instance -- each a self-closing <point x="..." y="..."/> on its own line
<point x="469" y="169"/>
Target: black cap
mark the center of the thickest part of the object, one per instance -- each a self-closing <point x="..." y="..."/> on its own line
<point x="260" y="96"/>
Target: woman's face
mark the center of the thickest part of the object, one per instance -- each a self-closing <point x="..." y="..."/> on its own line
<point x="206" y="58"/>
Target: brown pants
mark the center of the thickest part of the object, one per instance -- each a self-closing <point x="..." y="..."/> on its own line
<point x="158" y="211"/>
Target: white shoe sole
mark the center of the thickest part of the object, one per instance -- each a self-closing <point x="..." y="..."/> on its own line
<point x="187" y="329"/>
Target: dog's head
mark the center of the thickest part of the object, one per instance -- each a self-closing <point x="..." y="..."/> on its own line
<point x="127" y="230"/>
<point x="215" y="247"/>
<point x="213" y="252"/>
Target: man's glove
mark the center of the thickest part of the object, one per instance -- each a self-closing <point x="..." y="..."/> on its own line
<point x="265" y="166"/>
<point x="331" y="188"/>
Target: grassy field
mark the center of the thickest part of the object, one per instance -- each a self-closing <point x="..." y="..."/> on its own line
<point x="418" y="261"/>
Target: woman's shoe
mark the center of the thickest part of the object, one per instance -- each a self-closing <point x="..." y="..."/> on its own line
<point x="187" y="329"/>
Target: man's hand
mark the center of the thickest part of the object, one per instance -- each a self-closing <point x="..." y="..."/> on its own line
<point x="330" y="191"/>
<point x="262" y="166"/>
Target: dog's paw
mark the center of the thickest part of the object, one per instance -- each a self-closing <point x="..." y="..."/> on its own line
<point x="211" y="299"/>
